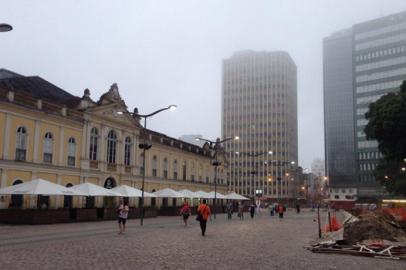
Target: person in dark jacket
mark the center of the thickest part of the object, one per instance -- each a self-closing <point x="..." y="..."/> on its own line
<point x="252" y="209"/>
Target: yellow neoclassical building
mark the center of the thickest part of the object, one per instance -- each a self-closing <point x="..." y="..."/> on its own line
<point x="45" y="132"/>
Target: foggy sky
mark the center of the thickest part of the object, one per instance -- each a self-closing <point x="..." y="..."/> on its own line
<point x="170" y="52"/>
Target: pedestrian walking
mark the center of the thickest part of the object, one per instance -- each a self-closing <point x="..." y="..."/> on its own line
<point x="241" y="211"/>
<point x="229" y="208"/>
<point x="185" y="211"/>
<point x="122" y="211"/>
<point x="203" y="214"/>
<point x="252" y="209"/>
<point x="280" y="210"/>
<point x="298" y="208"/>
<point x="271" y="209"/>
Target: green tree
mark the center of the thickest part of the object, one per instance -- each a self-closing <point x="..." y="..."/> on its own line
<point x="387" y="125"/>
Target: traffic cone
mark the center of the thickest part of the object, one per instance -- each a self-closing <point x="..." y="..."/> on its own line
<point x="335" y="225"/>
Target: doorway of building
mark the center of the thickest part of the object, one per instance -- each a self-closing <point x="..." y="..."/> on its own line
<point x="67" y="199"/>
<point x="17" y="200"/>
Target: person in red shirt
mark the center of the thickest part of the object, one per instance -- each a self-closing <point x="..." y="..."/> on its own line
<point x="280" y="210"/>
<point x="185" y="211"/>
<point x="204" y="213"/>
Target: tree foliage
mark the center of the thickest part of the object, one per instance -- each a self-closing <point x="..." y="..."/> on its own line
<point x="387" y="125"/>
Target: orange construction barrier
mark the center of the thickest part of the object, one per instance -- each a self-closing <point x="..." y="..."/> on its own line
<point x="335" y="225"/>
<point x="398" y="214"/>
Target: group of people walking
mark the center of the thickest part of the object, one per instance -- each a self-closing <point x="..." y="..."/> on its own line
<point x="203" y="213"/>
<point x="279" y="209"/>
<point x="239" y="207"/>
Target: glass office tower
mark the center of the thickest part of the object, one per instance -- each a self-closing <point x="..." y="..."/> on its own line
<point x="339" y="110"/>
<point x="378" y="67"/>
<point x="379" y="58"/>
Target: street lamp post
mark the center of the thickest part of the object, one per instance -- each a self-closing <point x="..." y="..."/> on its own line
<point x="253" y="155"/>
<point x="279" y="163"/>
<point x="215" y="146"/>
<point x="145" y="147"/>
<point x="4" y="27"/>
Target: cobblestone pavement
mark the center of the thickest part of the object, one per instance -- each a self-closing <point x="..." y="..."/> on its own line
<point x="164" y="243"/>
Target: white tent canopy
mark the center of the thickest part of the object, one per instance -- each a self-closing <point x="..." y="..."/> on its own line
<point x="127" y="191"/>
<point x="168" y="193"/>
<point x="202" y="194"/>
<point x="187" y="193"/>
<point x="39" y="187"/>
<point x="90" y="189"/>
<point x="235" y="196"/>
<point x="218" y="195"/>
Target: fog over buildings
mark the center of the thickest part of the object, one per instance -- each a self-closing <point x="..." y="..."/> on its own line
<point x="170" y="52"/>
<point x="259" y="103"/>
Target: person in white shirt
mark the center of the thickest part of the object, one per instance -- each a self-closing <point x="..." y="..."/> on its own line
<point x="122" y="211"/>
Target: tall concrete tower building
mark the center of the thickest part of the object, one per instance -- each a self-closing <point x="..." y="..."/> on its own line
<point x="259" y="104"/>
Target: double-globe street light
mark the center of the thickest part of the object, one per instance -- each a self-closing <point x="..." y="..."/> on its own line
<point x="215" y="146"/>
<point x="252" y="155"/>
<point x="280" y="163"/>
<point x="144" y="146"/>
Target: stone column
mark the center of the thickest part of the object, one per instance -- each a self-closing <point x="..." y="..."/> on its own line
<point x="61" y="144"/>
<point x="6" y="137"/>
<point x="102" y="150"/>
<point x="36" y="140"/>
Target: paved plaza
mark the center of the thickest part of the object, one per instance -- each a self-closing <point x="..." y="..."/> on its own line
<point x="164" y="243"/>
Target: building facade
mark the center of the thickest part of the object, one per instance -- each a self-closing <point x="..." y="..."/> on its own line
<point x="259" y="104"/>
<point x="48" y="133"/>
<point x="361" y="64"/>
<point x="192" y="139"/>
<point x="318" y="167"/>
<point x="379" y="68"/>
<point x="339" y="110"/>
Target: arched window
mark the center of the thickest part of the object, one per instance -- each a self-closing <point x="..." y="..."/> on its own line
<point x="71" y="151"/>
<point x="110" y="183"/>
<point x="94" y="135"/>
<point x="48" y="145"/>
<point x="175" y="169"/>
<point x="154" y="165"/>
<point x="111" y="147"/>
<point x="200" y="173"/>
<point x="21" y="144"/>
<point x="193" y="172"/>
<point x="165" y="168"/>
<point x="127" y="151"/>
<point x="184" y="169"/>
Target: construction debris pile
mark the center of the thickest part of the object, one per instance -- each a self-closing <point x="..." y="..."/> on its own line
<point x="372" y="234"/>
<point x="374" y="225"/>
